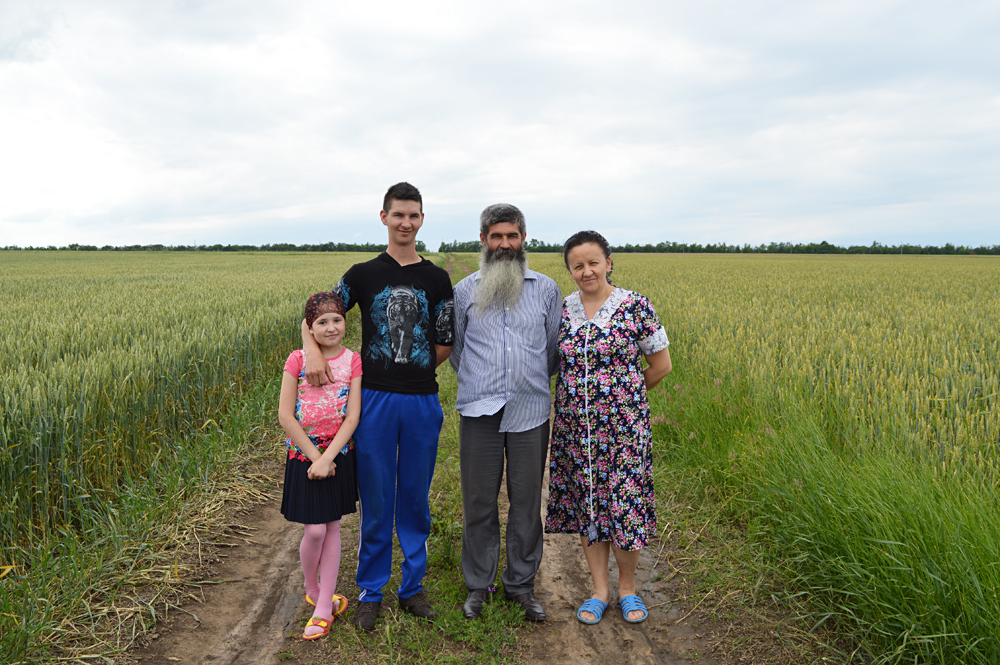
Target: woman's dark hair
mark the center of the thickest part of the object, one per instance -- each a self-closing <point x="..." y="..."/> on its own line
<point x="584" y="237"/>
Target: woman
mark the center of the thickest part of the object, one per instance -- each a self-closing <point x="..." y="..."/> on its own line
<point x="601" y="472"/>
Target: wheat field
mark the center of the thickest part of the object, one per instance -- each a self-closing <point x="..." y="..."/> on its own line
<point x="107" y="358"/>
<point x="846" y="408"/>
<point x="843" y="408"/>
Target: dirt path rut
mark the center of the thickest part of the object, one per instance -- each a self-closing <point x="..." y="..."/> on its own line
<point x="564" y="582"/>
<point x="247" y="618"/>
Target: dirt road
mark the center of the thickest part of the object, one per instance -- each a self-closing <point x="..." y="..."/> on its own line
<point x="244" y="617"/>
<point x="247" y="617"/>
<point x="564" y="582"/>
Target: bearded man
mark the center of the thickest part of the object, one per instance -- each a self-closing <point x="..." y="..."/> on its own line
<point x="506" y="324"/>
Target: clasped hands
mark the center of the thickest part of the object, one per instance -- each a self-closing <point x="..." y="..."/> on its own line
<point x="321" y="469"/>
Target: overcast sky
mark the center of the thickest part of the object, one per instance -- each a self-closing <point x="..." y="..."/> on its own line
<point x="256" y="122"/>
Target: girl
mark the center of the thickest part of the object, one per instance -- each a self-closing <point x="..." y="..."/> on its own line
<point x="320" y="481"/>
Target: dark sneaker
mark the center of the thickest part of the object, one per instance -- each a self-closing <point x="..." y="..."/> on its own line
<point x="418" y="606"/>
<point x="366" y="615"/>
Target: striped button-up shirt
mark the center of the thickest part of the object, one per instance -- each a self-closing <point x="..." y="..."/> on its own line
<point x="506" y="355"/>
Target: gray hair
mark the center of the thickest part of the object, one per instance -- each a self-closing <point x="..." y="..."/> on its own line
<point x="499" y="213"/>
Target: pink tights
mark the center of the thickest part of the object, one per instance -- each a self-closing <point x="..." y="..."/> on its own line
<point x="320" y="554"/>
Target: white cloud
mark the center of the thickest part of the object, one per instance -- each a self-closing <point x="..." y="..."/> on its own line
<point x="256" y="122"/>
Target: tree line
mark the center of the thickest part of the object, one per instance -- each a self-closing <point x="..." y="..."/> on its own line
<point x="535" y="245"/>
<point x="277" y="247"/>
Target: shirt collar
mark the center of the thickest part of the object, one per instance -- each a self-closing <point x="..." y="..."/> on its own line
<point x="602" y="319"/>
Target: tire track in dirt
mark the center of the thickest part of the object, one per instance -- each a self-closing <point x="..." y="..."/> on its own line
<point x="248" y="618"/>
<point x="243" y="619"/>
<point x="252" y="604"/>
<point x="455" y="267"/>
<point x="564" y="582"/>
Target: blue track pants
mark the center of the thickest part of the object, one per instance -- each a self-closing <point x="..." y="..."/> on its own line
<point x="397" y="440"/>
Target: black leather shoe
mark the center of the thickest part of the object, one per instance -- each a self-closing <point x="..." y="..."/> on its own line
<point x="474" y="604"/>
<point x="532" y="608"/>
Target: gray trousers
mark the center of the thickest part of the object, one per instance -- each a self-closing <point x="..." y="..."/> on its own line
<point x="482" y="449"/>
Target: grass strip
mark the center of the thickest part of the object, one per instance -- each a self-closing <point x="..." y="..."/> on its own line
<point x="870" y="542"/>
<point x="95" y="591"/>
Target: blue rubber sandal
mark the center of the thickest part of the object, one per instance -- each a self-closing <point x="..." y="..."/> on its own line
<point x="632" y="604"/>
<point x="596" y="607"/>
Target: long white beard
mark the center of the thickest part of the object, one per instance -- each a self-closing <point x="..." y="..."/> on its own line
<point x="501" y="280"/>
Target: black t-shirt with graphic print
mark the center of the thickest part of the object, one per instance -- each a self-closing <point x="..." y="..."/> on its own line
<point x="406" y="311"/>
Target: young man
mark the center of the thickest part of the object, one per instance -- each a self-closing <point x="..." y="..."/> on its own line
<point x="406" y="332"/>
<point x="506" y="327"/>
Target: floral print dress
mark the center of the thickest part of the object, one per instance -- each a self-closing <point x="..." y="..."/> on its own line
<point x="321" y="409"/>
<point x="601" y="453"/>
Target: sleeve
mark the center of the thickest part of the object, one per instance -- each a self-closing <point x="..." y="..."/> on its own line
<point x="459" y="321"/>
<point x="347" y="288"/>
<point x="553" y="321"/>
<point x="295" y="363"/>
<point x="355" y="366"/>
<point x="444" y="324"/>
<point x="652" y="336"/>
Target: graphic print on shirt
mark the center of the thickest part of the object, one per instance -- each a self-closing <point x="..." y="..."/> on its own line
<point x="344" y="292"/>
<point x="443" y="316"/>
<point x="400" y="315"/>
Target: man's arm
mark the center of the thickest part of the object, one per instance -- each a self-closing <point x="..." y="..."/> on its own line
<point x="442" y="354"/>
<point x="460" y="319"/>
<point x="318" y="371"/>
<point x="445" y="307"/>
<point x="553" y="319"/>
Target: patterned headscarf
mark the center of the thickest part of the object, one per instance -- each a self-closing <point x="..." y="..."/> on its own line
<point x="322" y="303"/>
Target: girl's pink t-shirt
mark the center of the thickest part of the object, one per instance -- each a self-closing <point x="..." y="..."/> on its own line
<point x="321" y="409"/>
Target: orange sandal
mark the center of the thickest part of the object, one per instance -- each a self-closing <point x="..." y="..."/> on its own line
<point x="318" y="622"/>
<point x="341" y="604"/>
<point x="340" y="608"/>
